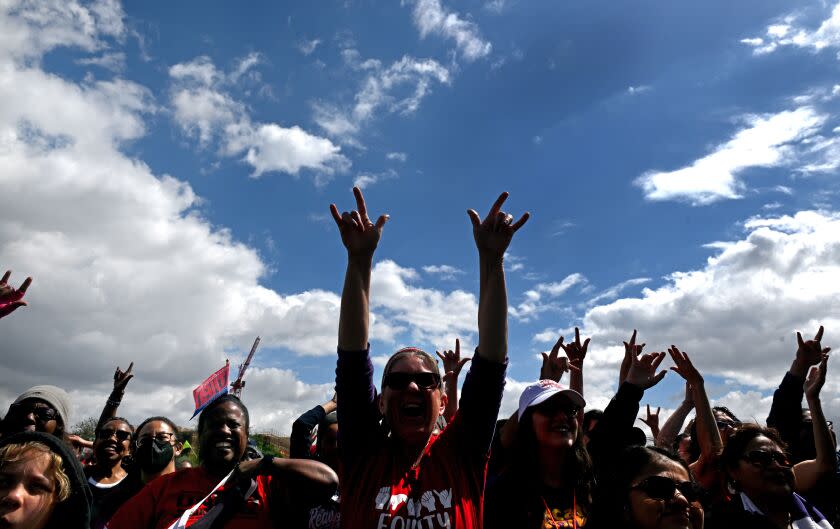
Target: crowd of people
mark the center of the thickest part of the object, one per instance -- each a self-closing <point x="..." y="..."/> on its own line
<point x="413" y="454"/>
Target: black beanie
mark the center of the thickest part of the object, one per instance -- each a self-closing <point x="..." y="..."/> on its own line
<point x="74" y="512"/>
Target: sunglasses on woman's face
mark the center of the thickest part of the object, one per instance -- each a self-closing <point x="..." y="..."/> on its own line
<point x="662" y="488"/>
<point x="107" y="433"/>
<point x="42" y="413"/>
<point x="403" y="380"/>
<point x="764" y="458"/>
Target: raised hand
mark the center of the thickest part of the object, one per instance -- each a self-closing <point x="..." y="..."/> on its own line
<point x="575" y="351"/>
<point x="810" y="352"/>
<point x="652" y="420"/>
<point x="121" y="378"/>
<point x="554" y="365"/>
<point x="816" y="379"/>
<point x="631" y="351"/>
<point x="684" y="367"/>
<point x="452" y="361"/>
<point x="642" y="371"/>
<point x="494" y="233"/>
<point x="359" y="235"/>
<point x="11" y="299"/>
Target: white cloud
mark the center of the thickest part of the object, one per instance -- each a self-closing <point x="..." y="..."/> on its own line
<point x="766" y="141"/>
<point x="307" y="47"/>
<point x="737" y="315"/>
<point x="203" y="109"/>
<point x="785" y="33"/>
<point x="368" y="179"/>
<point x="537" y="140"/>
<point x="430" y="16"/>
<point x="495" y="6"/>
<point x="397" y="156"/>
<point x="615" y="290"/>
<point x="636" y="90"/>
<point x="381" y="88"/>
<point x="534" y="302"/>
<point x="114" y="61"/>
<point x="443" y="271"/>
<point x="435" y="317"/>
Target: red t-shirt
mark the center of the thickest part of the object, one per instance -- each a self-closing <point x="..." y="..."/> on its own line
<point x="444" y="490"/>
<point x="164" y="500"/>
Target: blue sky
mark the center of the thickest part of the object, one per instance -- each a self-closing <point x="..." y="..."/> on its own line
<point x="679" y="163"/>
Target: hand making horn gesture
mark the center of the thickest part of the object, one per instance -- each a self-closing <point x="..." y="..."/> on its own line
<point x="11" y="299"/>
<point x="554" y="365"/>
<point x="494" y="233"/>
<point x="576" y="351"/>
<point x="452" y="361"/>
<point x="359" y="235"/>
<point x="121" y="378"/>
<point x="642" y="371"/>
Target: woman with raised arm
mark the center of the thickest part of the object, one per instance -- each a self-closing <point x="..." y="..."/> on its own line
<point x="408" y="477"/>
<point x="766" y="487"/>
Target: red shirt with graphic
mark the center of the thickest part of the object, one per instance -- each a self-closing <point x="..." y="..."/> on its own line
<point x="446" y="487"/>
<point x="163" y="501"/>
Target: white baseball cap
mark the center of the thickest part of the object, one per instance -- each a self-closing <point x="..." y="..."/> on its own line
<point x="541" y="391"/>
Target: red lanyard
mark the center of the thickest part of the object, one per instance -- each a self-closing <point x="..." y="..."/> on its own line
<point x="554" y="522"/>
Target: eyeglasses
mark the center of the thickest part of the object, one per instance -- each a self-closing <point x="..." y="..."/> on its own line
<point x="163" y="437"/>
<point x="662" y="488"/>
<point x="42" y="413"/>
<point x="764" y="458"/>
<point x="723" y="425"/>
<point x="107" y="433"/>
<point x="401" y="381"/>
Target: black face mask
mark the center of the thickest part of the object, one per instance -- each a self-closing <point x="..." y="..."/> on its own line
<point x="153" y="455"/>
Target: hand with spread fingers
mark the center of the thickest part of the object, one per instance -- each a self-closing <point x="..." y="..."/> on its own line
<point x="684" y="367"/>
<point x="631" y="351"/>
<point x="652" y="420"/>
<point x="359" y="235"/>
<point x="494" y="233"/>
<point x="576" y="351"/>
<point x="11" y="299"/>
<point x="554" y="365"/>
<point x="452" y="361"/>
<point x="642" y="371"/>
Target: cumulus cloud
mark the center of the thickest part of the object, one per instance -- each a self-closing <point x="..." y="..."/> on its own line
<point x="786" y="32"/>
<point x="126" y="267"/>
<point x="432" y="17"/>
<point x="397" y="156"/>
<point x="771" y="140"/>
<point x="204" y="109"/>
<point x="737" y="315"/>
<point x="397" y="89"/>
<point x="534" y="301"/>
<point x="443" y="271"/>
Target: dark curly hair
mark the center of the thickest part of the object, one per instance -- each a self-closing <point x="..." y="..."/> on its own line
<point x="739" y="440"/>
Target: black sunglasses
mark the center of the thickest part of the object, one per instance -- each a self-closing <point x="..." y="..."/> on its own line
<point x="42" y="413"/>
<point x="722" y="425"/>
<point x="662" y="488"/>
<point x="107" y="433"/>
<point x="764" y="458"/>
<point x="403" y="380"/>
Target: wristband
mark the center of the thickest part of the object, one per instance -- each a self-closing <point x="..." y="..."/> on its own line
<point x="110" y="402"/>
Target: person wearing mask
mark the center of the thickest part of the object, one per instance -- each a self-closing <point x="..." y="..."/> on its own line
<point x="42" y="485"/>
<point x="154" y="449"/>
<point x="403" y="475"/>
<point x="649" y="488"/>
<point x="39" y="409"/>
<point x="225" y="490"/>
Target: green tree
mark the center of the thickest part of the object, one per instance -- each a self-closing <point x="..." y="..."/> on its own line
<point x="86" y="428"/>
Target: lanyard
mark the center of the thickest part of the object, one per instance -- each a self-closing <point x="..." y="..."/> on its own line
<point x="554" y="522"/>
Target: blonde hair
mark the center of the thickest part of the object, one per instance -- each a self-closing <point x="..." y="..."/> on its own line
<point x="18" y="453"/>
